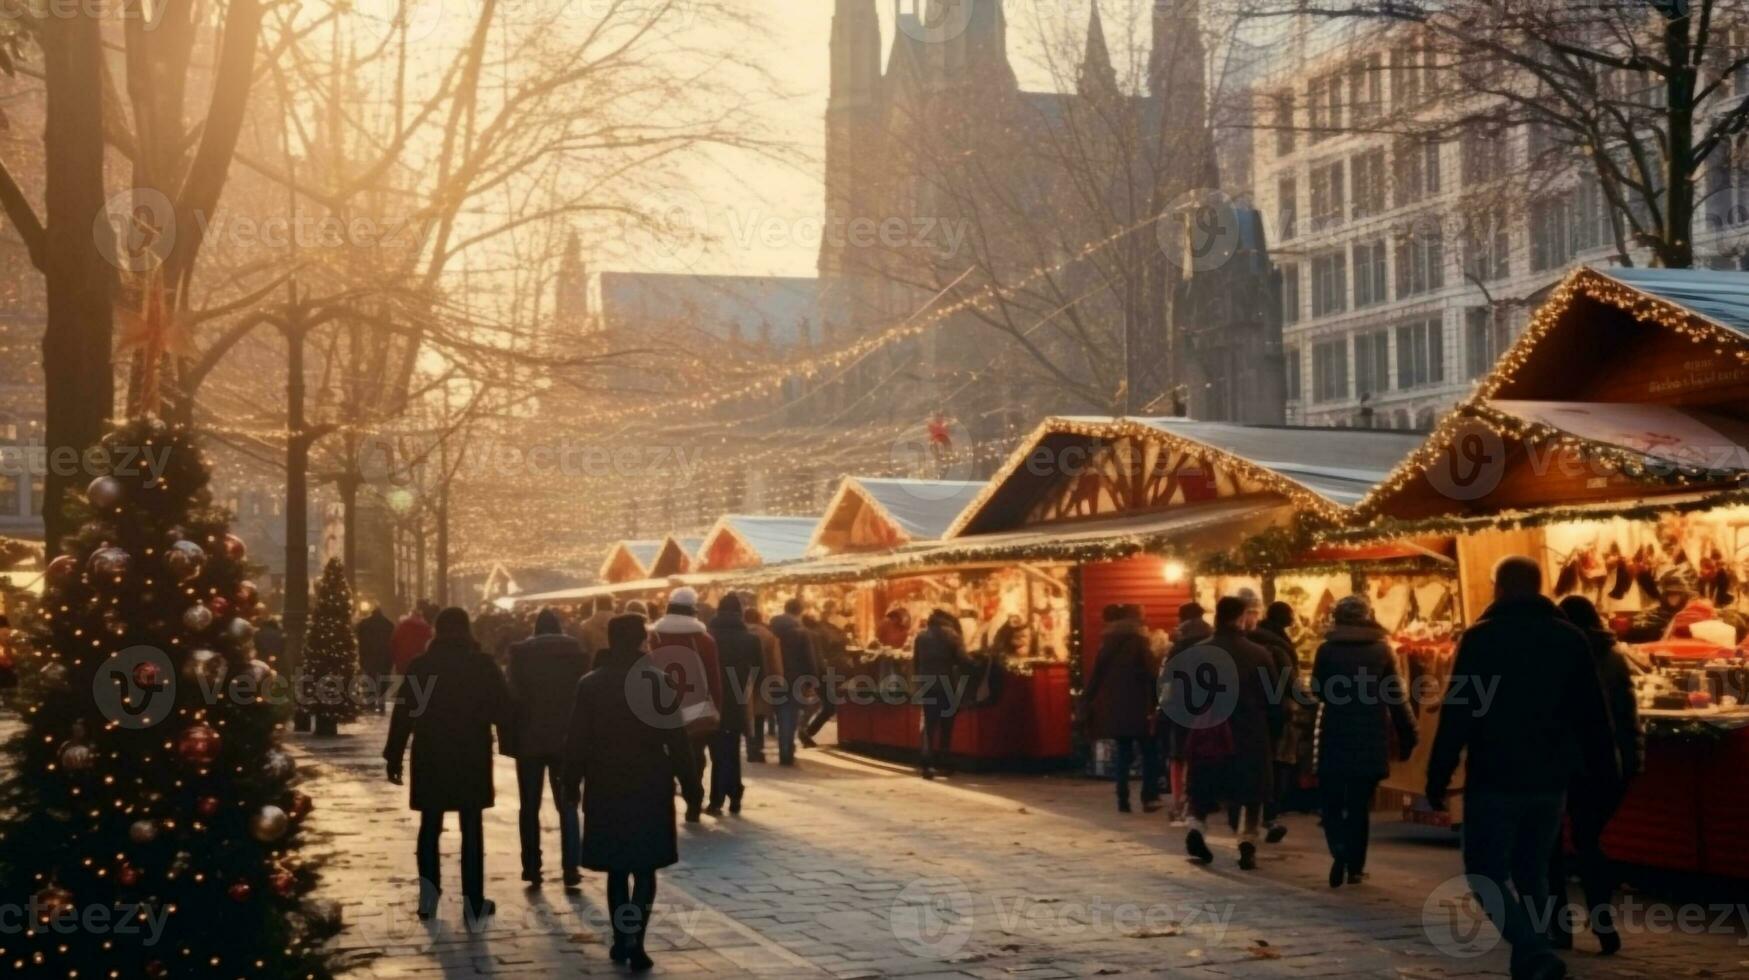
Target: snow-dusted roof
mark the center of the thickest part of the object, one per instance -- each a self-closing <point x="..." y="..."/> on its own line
<point x="923" y="508"/>
<point x="772" y="540"/>
<point x="1722" y="297"/>
<point x="1340" y="465"/>
<point x="643" y="552"/>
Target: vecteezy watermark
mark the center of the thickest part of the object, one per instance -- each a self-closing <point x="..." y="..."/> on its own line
<point x="40" y="917"/>
<point x="938" y="21"/>
<point x="933" y="917"/>
<point x="1200" y="232"/>
<point x="667" y="688"/>
<point x="1461" y="916"/>
<point x="386" y="916"/>
<point x="35" y="459"/>
<point x="1471" y="465"/>
<point x="938" y="449"/>
<point x="935" y="238"/>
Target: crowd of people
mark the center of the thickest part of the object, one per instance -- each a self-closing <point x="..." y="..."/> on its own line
<point x="1540" y="707"/>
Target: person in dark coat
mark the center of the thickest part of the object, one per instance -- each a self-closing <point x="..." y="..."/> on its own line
<point x="1588" y="806"/>
<point x="544" y="670"/>
<point x="1523" y="706"/>
<point x="939" y="665"/>
<point x="374" y="660"/>
<point x="1230" y="745"/>
<point x="801" y="673"/>
<point x="742" y="661"/>
<point x="1121" y="699"/>
<point x="1193" y="629"/>
<point x="1271" y="633"/>
<point x="1361" y="696"/>
<point x="623" y="760"/>
<point x="465" y="699"/>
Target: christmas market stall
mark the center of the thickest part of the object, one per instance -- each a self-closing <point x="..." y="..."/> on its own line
<point x="629" y="561"/>
<point x="1157" y="511"/>
<point x="1611" y="442"/>
<point x="676" y="556"/>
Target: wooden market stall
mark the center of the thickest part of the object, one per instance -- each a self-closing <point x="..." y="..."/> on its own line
<point x="676" y="556"/>
<point x="1611" y="443"/>
<point x="629" y="560"/>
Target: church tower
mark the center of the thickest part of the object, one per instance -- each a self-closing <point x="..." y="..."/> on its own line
<point x="571" y="290"/>
<point x="1097" y="78"/>
<point x="852" y="126"/>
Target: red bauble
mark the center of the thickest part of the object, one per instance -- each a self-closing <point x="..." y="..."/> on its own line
<point x="219" y="605"/>
<point x="198" y="746"/>
<point x="240" y="891"/>
<point x="147" y="676"/>
<point x="128" y="876"/>
<point x="283" y="883"/>
<point x="300" y="806"/>
<point x="234" y="548"/>
<point x="207" y="806"/>
<point x="156" y="970"/>
<point x="63" y="569"/>
<point x="247" y="595"/>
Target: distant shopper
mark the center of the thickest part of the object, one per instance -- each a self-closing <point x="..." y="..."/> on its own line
<point x="1121" y="700"/>
<point x="764" y="705"/>
<point x="833" y="644"/>
<point x="1590" y="806"/>
<point x="412" y="634"/>
<point x="742" y="660"/>
<point x="1523" y="705"/>
<point x="1270" y="631"/>
<point x="1193" y="628"/>
<point x="1361" y="697"/>
<point x="939" y="671"/>
<point x="801" y="673"/>
<point x="1231" y="738"/>
<point x="544" y="670"/>
<point x="375" y="661"/>
<point x="452" y="754"/>
<point x="594" y="628"/>
<point x="624" y="768"/>
<point x="682" y="647"/>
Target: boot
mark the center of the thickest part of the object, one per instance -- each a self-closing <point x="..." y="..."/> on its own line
<point x="1197" y="848"/>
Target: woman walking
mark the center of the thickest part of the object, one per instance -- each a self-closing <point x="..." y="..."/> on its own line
<point x="625" y="751"/>
<point x="1361" y="695"/>
<point x="1589" y="804"/>
<point x="464" y="698"/>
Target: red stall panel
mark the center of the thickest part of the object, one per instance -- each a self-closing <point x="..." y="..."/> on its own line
<point x="1141" y="579"/>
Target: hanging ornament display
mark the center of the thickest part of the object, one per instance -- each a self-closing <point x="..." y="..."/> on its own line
<point x="219" y="605"/>
<point x="110" y="562"/>
<point x="77" y="757"/>
<point x="185" y="559"/>
<point x="55" y="675"/>
<point x="105" y="493"/>
<point x="198" y="746"/>
<point x="197" y="618"/>
<point x="250" y="682"/>
<point x="143" y="831"/>
<point x="268" y="824"/>
<point x="205" y="668"/>
<point x="282" y="882"/>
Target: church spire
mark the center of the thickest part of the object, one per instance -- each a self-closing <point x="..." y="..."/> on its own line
<point x="1098" y="77"/>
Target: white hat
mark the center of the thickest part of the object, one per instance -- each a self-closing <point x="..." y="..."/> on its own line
<point x="683" y="596"/>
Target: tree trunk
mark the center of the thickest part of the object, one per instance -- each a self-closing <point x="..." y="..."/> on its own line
<point x="1680" y="166"/>
<point x="297" y="492"/>
<point x="79" y="378"/>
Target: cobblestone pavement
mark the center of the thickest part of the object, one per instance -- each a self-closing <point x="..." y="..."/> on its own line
<point x="848" y="868"/>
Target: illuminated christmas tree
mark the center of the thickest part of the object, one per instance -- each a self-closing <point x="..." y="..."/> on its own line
<point x="149" y="786"/>
<point x="331" y="652"/>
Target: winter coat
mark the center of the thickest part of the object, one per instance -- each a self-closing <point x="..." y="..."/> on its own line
<point x="544" y="671"/>
<point x="594" y="633"/>
<point x="801" y="659"/>
<point x="938" y="661"/>
<point x="670" y="638"/>
<point x="1120" y="694"/>
<point x="1360" y="693"/>
<point x="1287" y="665"/>
<point x="374" y="632"/>
<point x="1190" y="633"/>
<point x="466" y="697"/>
<point x="743" y="668"/>
<point x="1246" y="776"/>
<point x="1617" y="680"/>
<point x="1525" y="704"/>
<point x="771" y="653"/>
<point x="412" y="635"/>
<point x="627" y="768"/>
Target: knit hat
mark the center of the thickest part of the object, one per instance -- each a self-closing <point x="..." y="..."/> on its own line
<point x="684" y="596"/>
<point x="1353" y="610"/>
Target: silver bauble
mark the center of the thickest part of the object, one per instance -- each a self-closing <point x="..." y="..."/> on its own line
<point x="239" y="629"/>
<point x="206" y="668"/>
<point x="268" y="824"/>
<point x="185" y="559"/>
<point x="77" y="756"/>
<point x="143" y="831"/>
<point x="105" y="493"/>
<point x="110" y="562"/>
<point x="197" y="618"/>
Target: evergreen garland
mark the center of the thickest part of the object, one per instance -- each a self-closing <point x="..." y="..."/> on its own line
<point x="149" y="786"/>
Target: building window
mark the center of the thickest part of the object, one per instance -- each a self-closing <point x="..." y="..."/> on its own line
<point x="1372" y="362"/>
<point x="1420" y="261"/>
<point x="1487" y="333"/>
<point x="1329" y="196"/>
<point x="1285" y="135"/>
<point x="1416" y="171"/>
<point x="37" y="495"/>
<point x="1329" y="283"/>
<point x="1482" y="156"/>
<point x="1290" y="292"/>
<point x="1366" y="90"/>
<point x="9" y="499"/>
<point x="1324" y="102"/>
<point x="1368" y="173"/>
<point x="1292" y="357"/>
<point x="1487" y="246"/>
<point x="1330" y="370"/>
<point x="1287" y="190"/>
<point x="1421" y="353"/>
<point x="1371" y="282"/>
<point x="1406" y="78"/>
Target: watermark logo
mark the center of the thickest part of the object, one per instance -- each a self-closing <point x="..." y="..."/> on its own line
<point x="1471" y="465"/>
<point x="939" y="449"/>
<point x="932" y="917"/>
<point x="136" y="230"/>
<point x="136" y="688"/>
<point x="938" y="21"/>
<point x="1455" y="916"/>
<point x="674" y="225"/>
<point x="669" y="688"/>
<point x="1203" y="687"/>
<point x="1200" y="231"/>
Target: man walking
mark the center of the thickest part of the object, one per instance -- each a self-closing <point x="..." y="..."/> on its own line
<point x="681" y="648"/>
<point x="374" y="660"/>
<point x="801" y="672"/>
<point x="939" y="665"/>
<point x="764" y="706"/>
<point x="544" y="671"/>
<point x="1120" y="700"/>
<point x="1524" y="703"/>
<point x="742" y="665"/>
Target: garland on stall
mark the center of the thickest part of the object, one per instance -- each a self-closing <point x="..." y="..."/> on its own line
<point x="1686" y="729"/>
<point x="1387" y="528"/>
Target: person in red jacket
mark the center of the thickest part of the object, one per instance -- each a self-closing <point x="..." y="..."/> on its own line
<point x="412" y="635"/>
<point x="682" y="648"/>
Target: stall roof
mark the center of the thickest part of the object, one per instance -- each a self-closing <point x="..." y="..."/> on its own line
<point x="1720" y="297"/>
<point x="1325" y="469"/>
<point x="676" y="556"/>
<point x="641" y="552"/>
<point x="770" y="540"/>
<point x="586" y="592"/>
<point x="916" y="510"/>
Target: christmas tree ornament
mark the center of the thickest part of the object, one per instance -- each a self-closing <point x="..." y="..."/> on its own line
<point x="247" y="594"/>
<point x="268" y="824"/>
<point x="234" y="548"/>
<point x="148" y="676"/>
<point x="129" y="876"/>
<point x="109" y="562"/>
<point x="240" y="891"/>
<point x="185" y="559"/>
<point x="279" y="766"/>
<point x="143" y="831"/>
<point x="250" y="683"/>
<point x="300" y="805"/>
<point x="207" y="806"/>
<point x="219" y="605"/>
<point x="239" y="630"/>
<point x="282" y="882"/>
<point x="205" y="668"/>
<point x="77" y="757"/>
<point x="197" y="618"/>
<point x="63" y="569"/>
<point x="156" y="970"/>
<point x="105" y="493"/>
<point x="198" y="745"/>
<point x="55" y="675"/>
